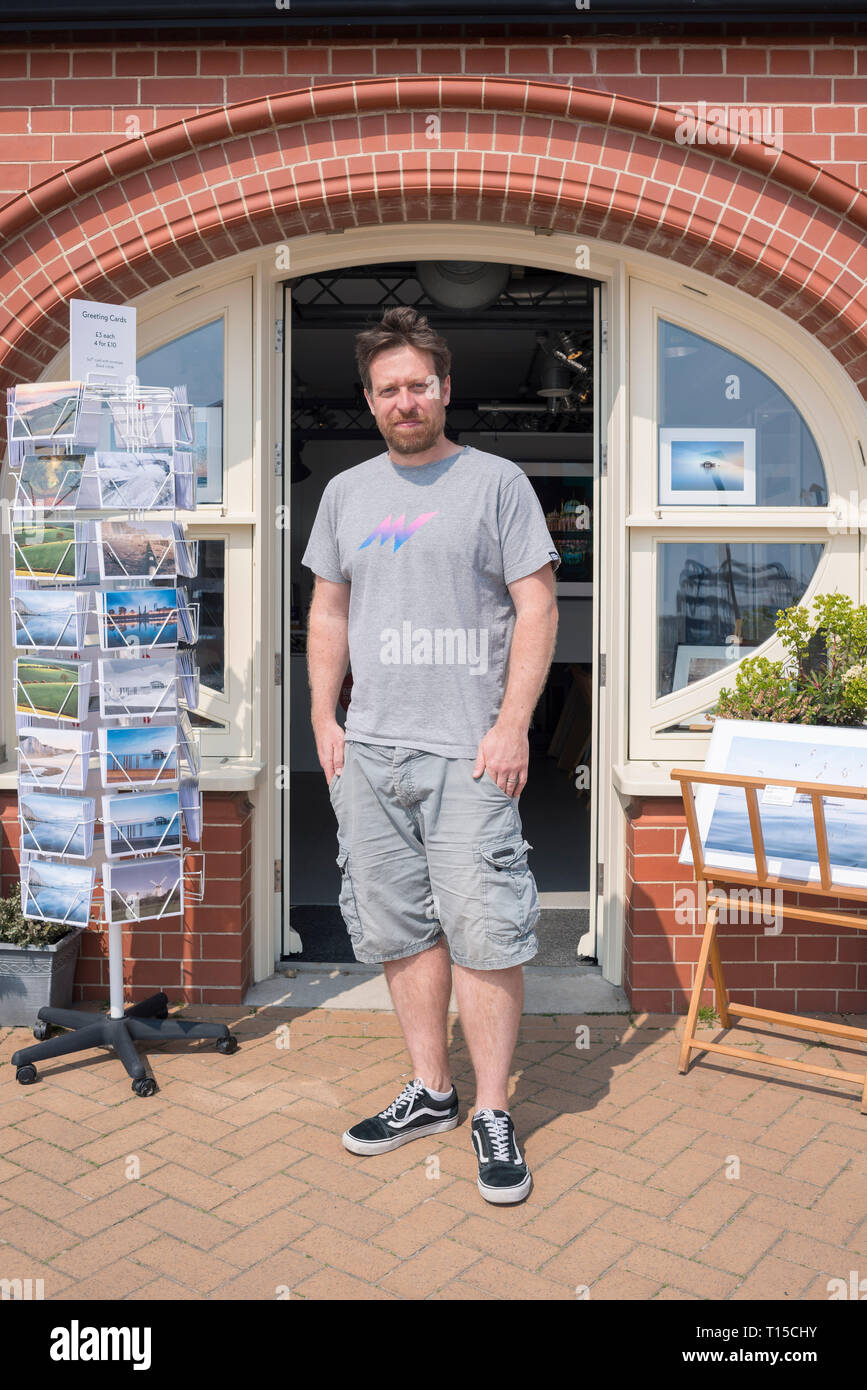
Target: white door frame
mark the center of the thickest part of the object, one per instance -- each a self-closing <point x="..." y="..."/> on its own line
<point x="371" y="246"/>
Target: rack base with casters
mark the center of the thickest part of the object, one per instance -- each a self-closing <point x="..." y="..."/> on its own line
<point x="147" y="1021"/>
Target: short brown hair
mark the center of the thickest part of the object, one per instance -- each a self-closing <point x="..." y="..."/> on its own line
<point x="401" y="327"/>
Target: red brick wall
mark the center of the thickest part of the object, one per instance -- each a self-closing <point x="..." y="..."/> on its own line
<point x="806" y="968"/>
<point x="206" y="957"/>
<point x="61" y="105"/>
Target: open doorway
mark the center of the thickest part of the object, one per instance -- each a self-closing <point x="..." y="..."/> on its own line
<point x="525" y="364"/>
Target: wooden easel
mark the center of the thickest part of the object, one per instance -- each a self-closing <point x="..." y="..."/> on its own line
<point x="760" y="878"/>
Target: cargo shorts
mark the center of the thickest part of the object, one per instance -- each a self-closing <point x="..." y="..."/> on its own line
<point x="426" y="851"/>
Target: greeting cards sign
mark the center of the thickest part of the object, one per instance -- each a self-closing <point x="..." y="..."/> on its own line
<point x="101" y="341"/>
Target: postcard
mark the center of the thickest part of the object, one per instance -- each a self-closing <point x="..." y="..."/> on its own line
<point x="44" y="409"/>
<point x="145" y="418"/>
<point x="191" y="806"/>
<point x="52" y="824"/>
<point x="185" y="481"/>
<point x="137" y="822"/>
<point x="138" y="686"/>
<point x="138" y="618"/>
<point x="53" y="757"/>
<point x="188" y="618"/>
<point x="188" y="678"/>
<point x="707" y="467"/>
<point x="59" y="689"/>
<point x="50" y="481"/>
<point x="827" y="754"/>
<point x="142" y="550"/>
<point x="48" y="550"/>
<point x="56" y="892"/>
<point x="188" y="743"/>
<point x="139" y="756"/>
<point x="135" y="482"/>
<point x="143" y="889"/>
<point x="49" y="618"/>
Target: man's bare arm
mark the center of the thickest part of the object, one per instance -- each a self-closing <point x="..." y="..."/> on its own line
<point x="505" y="750"/>
<point x="327" y="660"/>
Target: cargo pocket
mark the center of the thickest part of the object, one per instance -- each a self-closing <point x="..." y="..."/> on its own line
<point x="508" y="889"/>
<point x="347" y="904"/>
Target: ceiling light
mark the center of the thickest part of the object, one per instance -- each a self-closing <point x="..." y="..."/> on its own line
<point x="463" y="285"/>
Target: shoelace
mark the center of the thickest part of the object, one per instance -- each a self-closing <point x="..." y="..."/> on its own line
<point x="497" y="1127"/>
<point x="406" y="1097"/>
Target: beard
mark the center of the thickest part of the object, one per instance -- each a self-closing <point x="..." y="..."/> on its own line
<point x="414" y="441"/>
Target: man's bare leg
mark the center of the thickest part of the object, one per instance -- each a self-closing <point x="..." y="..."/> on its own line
<point x="489" y="1002"/>
<point x="420" y="988"/>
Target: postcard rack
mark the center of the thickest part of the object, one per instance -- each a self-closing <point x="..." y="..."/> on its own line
<point x="718" y="898"/>
<point x="140" y="666"/>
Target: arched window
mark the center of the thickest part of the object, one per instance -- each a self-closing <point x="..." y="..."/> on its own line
<point x="736" y="463"/>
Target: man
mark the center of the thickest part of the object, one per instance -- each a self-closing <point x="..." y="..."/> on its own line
<point x="435" y="577"/>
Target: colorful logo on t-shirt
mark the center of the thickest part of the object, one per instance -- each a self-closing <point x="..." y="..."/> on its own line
<point x="401" y="532"/>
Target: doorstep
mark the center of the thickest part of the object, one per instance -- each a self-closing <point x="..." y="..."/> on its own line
<point x="576" y="989"/>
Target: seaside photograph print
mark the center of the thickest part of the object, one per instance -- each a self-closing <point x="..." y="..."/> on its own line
<point x="56" y="688"/>
<point x="144" y="889"/>
<point x="709" y="468"/>
<point x="56" y="824"/>
<point x="44" y="409"/>
<point x="130" y="757"/>
<point x="140" y="686"/>
<point x="138" y="618"/>
<point x="798" y="752"/>
<point x="56" y="892"/>
<point x="53" y="757"/>
<point x="49" y="618"/>
<point x="46" y="550"/>
<point x="51" y="481"/>
<point x="138" y="822"/>
<point x="135" y="482"/>
<point x="140" y="549"/>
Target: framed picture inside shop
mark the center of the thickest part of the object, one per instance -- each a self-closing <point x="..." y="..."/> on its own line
<point x="565" y="491"/>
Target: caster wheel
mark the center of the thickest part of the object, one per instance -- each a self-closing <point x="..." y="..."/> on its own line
<point x="227" y="1045"/>
<point x="26" y="1075"/>
<point x="144" y="1086"/>
<point x="41" y="1030"/>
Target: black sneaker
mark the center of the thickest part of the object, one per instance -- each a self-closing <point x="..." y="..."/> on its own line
<point x="503" y="1172"/>
<point x="412" y="1115"/>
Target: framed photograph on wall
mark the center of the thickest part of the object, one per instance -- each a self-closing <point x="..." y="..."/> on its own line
<point x="694" y="662"/>
<point x="207" y="448"/>
<point x="565" y="491"/>
<point x="707" y="467"/>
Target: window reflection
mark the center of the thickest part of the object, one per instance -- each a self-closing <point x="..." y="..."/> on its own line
<point x="717" y="601"/>
<point x="206" y="589"/>
<point x="705" y="387"/>
<point x="195" y="360"/>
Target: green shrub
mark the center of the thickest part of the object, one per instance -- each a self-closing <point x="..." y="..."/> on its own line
<point x="821" y="680"/>
<point x="18" y="930"/>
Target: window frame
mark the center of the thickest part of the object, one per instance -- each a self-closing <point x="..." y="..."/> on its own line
<point x="650" y="524"/>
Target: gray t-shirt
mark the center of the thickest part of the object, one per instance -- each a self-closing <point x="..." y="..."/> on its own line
<point x="429" y="550"/>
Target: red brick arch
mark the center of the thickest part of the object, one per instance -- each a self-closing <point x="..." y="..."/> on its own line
<point x="500" y="151"/>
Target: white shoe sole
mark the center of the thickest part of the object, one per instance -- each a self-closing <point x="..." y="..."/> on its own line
<point x="384" y="1146"/>
<point x="503" y="1196"/>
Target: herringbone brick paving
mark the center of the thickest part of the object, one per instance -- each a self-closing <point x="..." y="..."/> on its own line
<point x="731" y="1182"/>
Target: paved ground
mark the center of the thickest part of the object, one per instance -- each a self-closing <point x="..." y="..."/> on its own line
<point x="731" y="1182"/>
